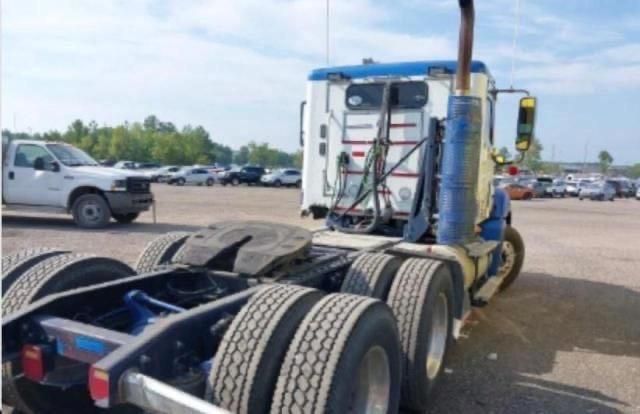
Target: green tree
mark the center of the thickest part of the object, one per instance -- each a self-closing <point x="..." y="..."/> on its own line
<point x="605" y="159"/>
<point x="634" y="171"/>
<point x="241" y="156"/>
<point x="297" y="159"/>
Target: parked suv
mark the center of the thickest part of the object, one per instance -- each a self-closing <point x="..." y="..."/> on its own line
<point x="246" y="175"/>
<point x="558" y="188"/>
<point x="191" y="175"/>
<point x="285" y="176"/>
<point x="598" y="191"/>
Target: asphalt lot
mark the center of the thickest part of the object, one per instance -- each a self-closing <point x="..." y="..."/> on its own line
<point x="565" y="338"/>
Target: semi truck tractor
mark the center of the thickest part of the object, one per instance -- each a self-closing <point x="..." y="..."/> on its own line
<point x="257" y="317"/>
<point x="55" y="177"/>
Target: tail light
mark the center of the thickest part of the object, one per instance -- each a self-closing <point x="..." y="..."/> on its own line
<point x="98" y="384"/>
<point x="513" y="170"/>
<point x="33" y="363"/>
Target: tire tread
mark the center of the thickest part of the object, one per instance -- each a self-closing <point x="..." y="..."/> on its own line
<point x="303" y="385"/>
<point x="162" y="250"/>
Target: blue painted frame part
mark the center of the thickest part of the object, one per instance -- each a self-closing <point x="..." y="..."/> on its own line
<point x="493" y="227"/>
<point x="90" y="345"/>
<point x="394" y="69"/>
<point x="501" y="204"/>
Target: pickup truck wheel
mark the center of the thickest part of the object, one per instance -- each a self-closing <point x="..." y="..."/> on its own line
<point x="345" y="357"/>
<point x="209" y="182"/>
<point x="371" y="275"/>
<point x="54" y="275"/>
<point x="512" y="257"/>
<point x="14" y="265"/>
<point x="277" y="183"/>
<point x="421" y="298"/>
<point x="160" y="251"/>
<point x="180" y="181"/>
<point x="125" y="218"/>
<point x="247" y="363"/>
<point x="235" y="181"/>
<point x="91" y="211"/>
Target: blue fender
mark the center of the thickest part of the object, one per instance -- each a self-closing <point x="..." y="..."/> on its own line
<point x="493" y="227"/>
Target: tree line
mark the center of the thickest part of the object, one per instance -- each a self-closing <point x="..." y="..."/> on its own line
<point x="162" y="142"/>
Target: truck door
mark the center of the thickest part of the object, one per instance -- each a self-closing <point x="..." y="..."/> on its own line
<point x="25" y="185"/>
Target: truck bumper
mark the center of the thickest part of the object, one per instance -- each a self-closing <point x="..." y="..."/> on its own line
<point x="123" y="202"/>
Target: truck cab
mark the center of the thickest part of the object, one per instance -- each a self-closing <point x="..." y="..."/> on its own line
<point x="339" y="124"/>
<point x="57" y="177"/>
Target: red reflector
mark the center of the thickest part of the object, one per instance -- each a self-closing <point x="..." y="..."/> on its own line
<point x="98" y="384"/>
<point x="32" y="362"/>
<point x="357" y="154"/>
<point x="513" y="170"/>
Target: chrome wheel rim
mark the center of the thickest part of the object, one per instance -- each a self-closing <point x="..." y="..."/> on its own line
<point x="91" y="211"/>
<point x="373" y="388"/>
<point x="437" y="336"/>
<point x="508" y="257"/>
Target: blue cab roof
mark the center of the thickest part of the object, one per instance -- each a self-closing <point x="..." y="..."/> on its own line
<point x="394" y="69"/>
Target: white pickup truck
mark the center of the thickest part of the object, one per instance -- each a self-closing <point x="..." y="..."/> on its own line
<point x="57" y="177"/>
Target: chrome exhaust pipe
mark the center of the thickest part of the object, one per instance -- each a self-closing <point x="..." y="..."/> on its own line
<point x="465" y="46"/>
<point x="158" y="397"/>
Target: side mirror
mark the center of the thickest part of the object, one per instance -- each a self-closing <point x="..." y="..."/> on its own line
<point x="55" y="167"/>
<point x="526" y="123"/>
<point x="38" y="164"/>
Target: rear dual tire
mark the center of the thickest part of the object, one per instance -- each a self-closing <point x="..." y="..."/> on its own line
<point x="247" y="363"/>
<point x="371" y="274"/>
<point x="345" y="357"/>
<point x="290" y="350"/>
<point x="14" y="265"/>
<point x="161" y="251"/>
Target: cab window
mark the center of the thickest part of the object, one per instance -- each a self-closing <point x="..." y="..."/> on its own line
<point x="26" y="155"/>
<point x="404" y="95"/>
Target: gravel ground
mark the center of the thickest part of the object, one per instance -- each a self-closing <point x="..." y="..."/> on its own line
<point x="565" y="338"/>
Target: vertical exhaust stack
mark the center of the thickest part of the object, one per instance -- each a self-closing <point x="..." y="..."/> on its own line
<point x="457" y="203"/>
<point x="465" y="46"/>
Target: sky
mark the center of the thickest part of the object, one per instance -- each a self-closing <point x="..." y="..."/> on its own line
<point x="239" y="67"/>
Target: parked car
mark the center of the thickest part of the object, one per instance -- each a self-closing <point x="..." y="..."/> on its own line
<point x="572" y="188"/>
<point x="286" y="176"/>
<point x="558" y="188"/>
<point x="598" y="191"/>
<point x="125" y="165"/>
<point x="546" y="183"/>
<point x="161" y="174"/>
<point x="626" y="189"/>
<point x="147" y="165"/>
<point x="245" y="175"/>
<point x="537" y="187"/>
<point x="107" y="163"/>
<point x="519" y="192"/>
<point x="191" y="175"/>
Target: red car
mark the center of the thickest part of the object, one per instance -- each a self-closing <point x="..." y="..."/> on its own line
<point x="519" y="192"/>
